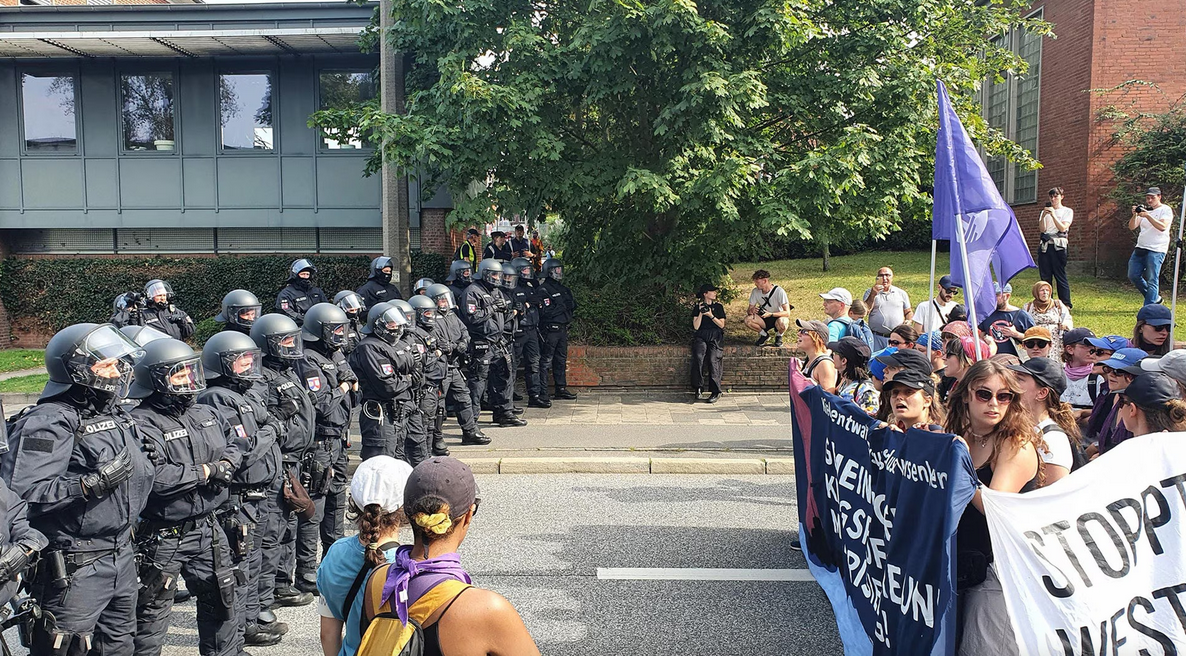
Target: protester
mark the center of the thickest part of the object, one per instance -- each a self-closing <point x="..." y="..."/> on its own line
<point x="537" y="250"/>
<point x="1050" y="314"/>
<point x="1153" y="220"/>
<point x="905" y="359"/>
<point x="769" y="309"/>
<point x="958" y="313"/>
<point x="1152" y="332"/>
<point x="903" y="336"/>
<point x="858" y="310"/>
<point x="1103" y="426"/>
<point x="708" y="322"/>
<point x="813" y="341"/>
<point x="914" y="401"/>
<point x="1172" y="364"/>
<point x="376" y="496"/>
<point x="1083" y="386"/>
<point x="889" y="306"/>
<point x="1038" y="342"/>
<point x="836" y="304"/>
<point x="959" y="355"/>
<point x="1042" y="382"/>
<point x="956" y="329"/>
<point x="877" y="366"/>
<point x="1007" y="323"/>
<point x="1053" y="223"/>
<point x="936" y="313"/>
<point x="851" y="358"/>
<point x="1153" y="405"/>
<point x="931" y="345"/>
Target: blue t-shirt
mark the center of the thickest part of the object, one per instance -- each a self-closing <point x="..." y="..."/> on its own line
<point x="837" y="328"/>
<point x="335" y="575"/>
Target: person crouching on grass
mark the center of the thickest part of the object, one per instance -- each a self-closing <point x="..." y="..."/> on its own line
<point x="769" y="309"/>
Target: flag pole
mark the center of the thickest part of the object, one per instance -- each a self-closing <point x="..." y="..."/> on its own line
<point x="970" y="304"/>
<point x="1177" y="266"/>
<point x="934" y="250"/>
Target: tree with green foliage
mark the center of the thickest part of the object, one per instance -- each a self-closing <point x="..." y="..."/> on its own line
<point x="1155" y="150"/>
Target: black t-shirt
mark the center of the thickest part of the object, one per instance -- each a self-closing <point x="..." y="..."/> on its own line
<point x="1019" y="320"/>
<point x="709" y="331"/>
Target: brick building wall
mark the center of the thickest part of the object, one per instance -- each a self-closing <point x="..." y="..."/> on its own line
<point x="744" y="368"/>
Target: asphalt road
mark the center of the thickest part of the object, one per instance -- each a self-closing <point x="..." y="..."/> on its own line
<point x="539" y="540"/>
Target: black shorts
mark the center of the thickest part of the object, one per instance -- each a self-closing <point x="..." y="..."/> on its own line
<point x="770" y="321"/>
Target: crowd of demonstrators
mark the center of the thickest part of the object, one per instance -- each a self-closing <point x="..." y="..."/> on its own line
<point x="769" y="310"/>
<point x="1152" y="220"/>
<point x="1050" y="314"/>
<point x="1054" y="222"/>
<point x="889" y="306"/>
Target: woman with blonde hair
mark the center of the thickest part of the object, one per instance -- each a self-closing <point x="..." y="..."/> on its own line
<point x="1049" y="313"/>
<point x="818" y="366"/>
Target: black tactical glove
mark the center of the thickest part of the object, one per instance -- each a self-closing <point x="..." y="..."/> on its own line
<point x="501" y="303"/>
<point x="151" y="450"/>
<point x="287" y="408"/>
<point x="13" y="560"/>
<point x="221" y="473"/>
<point x="110" y="475"/>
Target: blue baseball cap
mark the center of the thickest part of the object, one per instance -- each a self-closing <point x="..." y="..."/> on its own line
<point x="1155" y="314"/>
<point x="877" y="368"/>
<point x="946" y="283"/>
<point x="931" y="340"/>
<point x="1109" y="342"/>
<point x="1127" y="360"/>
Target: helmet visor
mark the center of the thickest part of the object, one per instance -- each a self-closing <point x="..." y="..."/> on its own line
<point x="107" y="343"/>
<point x="104" y="361"/>
<point x="286" y="346"/>
<point x="466" y="274"/>
<point x="245" y="315"/>
<point x="557" y="273"/>
<point x="244" y="365"/>
<point x="509" y="280"/>
<point x="427" y="315"/>
<point x="526" y="273"/>
<point x="158" y="288"/>
<point x="184" y="377"/>
<point x="351" y="303"/>
<point x="334" y="334"/>
<point x="445" y="301"/>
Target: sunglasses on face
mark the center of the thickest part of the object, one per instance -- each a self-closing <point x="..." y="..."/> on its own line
<point x="1096" y="351"/>
<point x="897" y="343"/>
<point x="1004" y="397"/>
<point x="1035" y="343"/>
<point x="1160" y="329"/>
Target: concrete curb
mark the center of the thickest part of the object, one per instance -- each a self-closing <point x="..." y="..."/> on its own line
<point x="609" y="465"/>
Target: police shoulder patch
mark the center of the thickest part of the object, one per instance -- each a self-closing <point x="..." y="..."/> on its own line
<point x="471" y="307"/>
<point x="240" y="431"/>
<point x="314" y="383"/>
<point x="284" y="304"/>
<point x="387" y="368"/>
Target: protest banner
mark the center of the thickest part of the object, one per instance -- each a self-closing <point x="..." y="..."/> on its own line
<point x="878" y="510"/>
<point x="1095" y="563"/>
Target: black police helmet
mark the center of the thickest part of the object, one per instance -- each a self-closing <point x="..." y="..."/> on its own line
<point x="426" y="310"/>
<point x="443" y="296"/>
<point x="460" y="269"/>
<point x="523" y="268"/>
<point x="224" y="349"/>
<point x="271" y="331"/>
<point x="325" y="322"/>
<point x="169" y="366"/>
<point x="141" y="335"/>
<point x="73" y="352"/>
<point x="386" y="322"/>
<point x="553" y="268"/>
<point x="299" y="266"/>
<point x="350" y="302"/>
<point x="409" y="312"/>
<point x="422" y="285"/>
<point x="378" y="264"/>
<point x="234" y="304"/>
<point x="490" y="270"/>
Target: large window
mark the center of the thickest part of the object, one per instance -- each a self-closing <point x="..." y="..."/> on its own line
<point x="245" y="111"/>
<point x="48" y="112"/>
<point x="1011" y="106"/>
<point x="148" y="112"/>
<point x="341" y="90"/>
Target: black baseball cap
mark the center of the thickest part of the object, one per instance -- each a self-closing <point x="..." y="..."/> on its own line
<point x="1155" y="314"/>
<point x="1077" y="336"/>
<point x="1151" y="390"/>
<point x="946" y="283"/>
<point x="913" y="379"/>
<point x="851" y="348"/>
<point x="907" y="359"/>
<point x="446" y="478"/>
<point x="707" y="287"/>
<point x="1047" y="372"/>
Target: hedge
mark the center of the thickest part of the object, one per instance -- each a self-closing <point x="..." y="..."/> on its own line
<point x="50" y="293"/>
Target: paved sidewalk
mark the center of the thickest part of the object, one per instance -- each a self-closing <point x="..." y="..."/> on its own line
<point x="22" y="373"/>
<point x="666" y="409"/>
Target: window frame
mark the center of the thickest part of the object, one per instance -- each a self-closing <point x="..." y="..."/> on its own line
<point x="49" y="71"/>
<point x="1012" y="81"/>
<point x="274" y="73"/>
<point x="174" y="76"/>
<point x="322" y="148"/>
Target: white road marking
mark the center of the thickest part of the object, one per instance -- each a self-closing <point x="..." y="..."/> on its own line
<point x="702" y="574"/>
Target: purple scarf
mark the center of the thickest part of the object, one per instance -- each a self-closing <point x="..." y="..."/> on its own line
<point x="406" y="568"/>
<point x="1077" y="373"/>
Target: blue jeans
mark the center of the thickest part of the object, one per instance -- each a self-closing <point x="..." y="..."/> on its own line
<point x="1144" y="270"/>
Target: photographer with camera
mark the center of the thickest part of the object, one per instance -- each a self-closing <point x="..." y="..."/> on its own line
<point x="1053" y="223"/>
<point x="708" y="320"/>
<point x="1153" y="219"/>
<point x="127" y="310"/>
<point x="159" y="312"/>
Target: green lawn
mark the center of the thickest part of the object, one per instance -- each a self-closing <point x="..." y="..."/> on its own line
<point x="1108" y="307"/>
<point x="18" y="359"/>
<point x="24" y="384"/>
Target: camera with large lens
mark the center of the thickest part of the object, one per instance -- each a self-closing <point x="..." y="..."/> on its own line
<point x="1140" y="208"/>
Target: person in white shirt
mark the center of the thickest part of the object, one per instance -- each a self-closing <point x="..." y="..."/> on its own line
<point x="1042" y="383"/>
<point x="889" y="306"/>
<point x="1053" y="224"/>
<point x="1153" y="219"/>
<point x="769" y="309"/>
<point x="935" y="313"/>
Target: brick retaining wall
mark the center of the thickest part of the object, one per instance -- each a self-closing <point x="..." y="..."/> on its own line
<point x="745" y="367"/>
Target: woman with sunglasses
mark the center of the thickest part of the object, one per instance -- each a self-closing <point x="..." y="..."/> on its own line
<point x="1037" y="343"/>
<point x="904" y="336"/>
<point x="984" y="409"/>
<point x="958" y="356"/>
<point x="1042" y="382"/>
<point x="818" y="365"/>
<point x="1051" y="314"/>
<point x="1083" y="385"/>
<point x="1152" y="332"/>
<point x="1104" y="427"/>
<point x="1153" y="405"/>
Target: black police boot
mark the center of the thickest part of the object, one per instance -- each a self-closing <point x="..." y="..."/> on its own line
<point x="290" y="596"/>
<point x="538" y="402"/>
<point x="181" y="595"/>
<point x="507" y="421"/>
<point x="476" y="437"/>
<point x="563" y="393"/>
<point x="305" y="585"/>
<point x="517" y="410"/>
<point x="699" y="393"/>
<point x="714" y="397"/>
<point x="438" y="445"/>
<point x="518" y="396"/>
<point x="258" y="636"/>
<point x="267" y="622"/>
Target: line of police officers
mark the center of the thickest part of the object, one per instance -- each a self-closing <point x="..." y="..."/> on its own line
<point x="144" y="462"/>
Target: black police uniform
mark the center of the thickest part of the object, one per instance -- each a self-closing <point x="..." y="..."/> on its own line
<point x="556" y="310"/>
<point x="453" y="338"/>
<point x="484" y="309"/>
<point x="87" y="580"/>
<point x="170" y="319"/>
<point x="296" y="298"/>
<point x="707" y="350"/>
<point x="422" y="424"/>
<point x="325" y="464"/>
<point x="18" y="541"/>
<point x="385" y="378"/>
<point x="243" y="405"/>
<point x="353" y="337"/>
<point x="458" y="288"/>
<point x="505" y="253"/>
<point x="525" y="297"/>
<point x="179" y="532"/>
<point x="375" y="291"/>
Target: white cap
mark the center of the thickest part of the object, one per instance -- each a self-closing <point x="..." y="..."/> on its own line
<point x="838" y="294"/>
<point x="1172" y="364"/>
<point x="381" y="480"/>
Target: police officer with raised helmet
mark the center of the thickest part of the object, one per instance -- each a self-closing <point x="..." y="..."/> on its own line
<point x="179" y="534"/>
<point x="334" y="387"/>
<point x="453" y="338"/>
<point x="461" y="276"/>
<point x="80" y="464"/>
<point x="378" y="287"/>
<point x="232" y="364"/>
<point x="301" y="293"/>
<point x="383" y="363"/>
<point x="436" y="367"/>
<point x="527" y="351"/>
<point x="422" y="285"/>
<point x="279" y="338"/>
<point x="484" y="310"/>
<point x="240" y="309"/>
<point x="160" y="313"/>
<point x="352" y="304"/>
<point x="19" y="542"/>
<point x="556" y="310"/>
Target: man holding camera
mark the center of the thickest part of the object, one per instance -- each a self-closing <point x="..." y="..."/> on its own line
<point x="709" y="323"/>
<point x="1153" y="220"/>
<point x="769" y="309"/>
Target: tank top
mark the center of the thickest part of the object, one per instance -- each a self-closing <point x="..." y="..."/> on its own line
<point x="814" y="363"/>
<point x="972" y="533"/>
<point x="432" y="638"/>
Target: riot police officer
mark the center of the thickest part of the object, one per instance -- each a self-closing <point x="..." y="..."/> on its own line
<point x="125" y="310"/>
<point x="556" y="309"/>
<point x="232" y="364"/>
<point x="436" y="367"/>
<point x="484" y="311"/>
<point x="416" y="431"/>
<point x="301" y="293"/>
<point x="279" y="338"/>
<point x="453" y="338"/>
<point x="160" y="313"/>
<point x="19" y="542"/>
<point x="383" y="363"/>
<point x="334" y="387"/>
<point x="525" y="296"/>
<point x="351" y="303"/>
<point x="422" y="285"/>
<point x="240" y="309"/>
<point x="141" y="335"/>
<point x="77" y="460"/>
<point x="461" y="276"/>
<point x="179" y="534"/>
<point x="378" y="288"/>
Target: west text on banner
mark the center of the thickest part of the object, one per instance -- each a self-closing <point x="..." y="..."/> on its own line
<point x="1096" y="563"/>
<point x="878" y="510"/>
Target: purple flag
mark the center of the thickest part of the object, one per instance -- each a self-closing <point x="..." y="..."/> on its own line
<point x="965" y="191"/>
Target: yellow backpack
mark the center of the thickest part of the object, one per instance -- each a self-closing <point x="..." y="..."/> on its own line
<point x="383" y="634"/>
